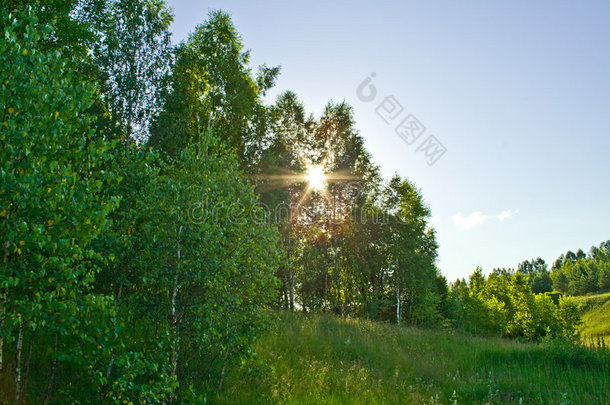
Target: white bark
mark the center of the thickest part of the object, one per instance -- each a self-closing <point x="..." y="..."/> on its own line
<point x="397" y="304"/>
<point x="174" y="318"/>
<point x="2" y="313"/>
<point x="291" y="289"/>
<point x="397" y="294"/>
<point x="18" y="363"/>
<point x="3" y="309"/>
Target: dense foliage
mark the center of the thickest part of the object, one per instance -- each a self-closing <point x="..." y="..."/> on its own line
<point x="125" y="277"/>
<point x="357" y="246"/>
<point x="532" y="301"/>
<point x="504" y="304"/>
<point x="579" y="273"/>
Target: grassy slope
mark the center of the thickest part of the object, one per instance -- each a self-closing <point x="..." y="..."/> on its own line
<point x="313" y="359"/>
<point x="595" y="315"/>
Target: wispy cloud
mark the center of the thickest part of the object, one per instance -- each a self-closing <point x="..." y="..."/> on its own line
<point x="507" y="214"/>
<point x="469" y="222"/>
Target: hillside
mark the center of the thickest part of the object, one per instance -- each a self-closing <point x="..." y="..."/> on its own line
<point x="595" y="311"/>
<point x="317" y="359"/>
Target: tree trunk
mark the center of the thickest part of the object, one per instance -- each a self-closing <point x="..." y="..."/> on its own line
<point x="285" y="291"/>
<point x="2" y="312"/>
<point x="174" y="319"/>
<point x="224" y="367"/>
<point x="397" y="295"/>
<point x="410" y="308"/>
<point x="326" y="288"/>
<point x="339" y="304"/>
<point x="18" y="363"/>
<point x="397" y="304"/>
<point x="3" y="309"/>
<point x="291" y="276"/>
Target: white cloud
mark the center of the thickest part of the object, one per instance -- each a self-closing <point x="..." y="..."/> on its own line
<point x="435" y="219"/>
<point x="507" y="214"/>
<point x="469" y="222"/>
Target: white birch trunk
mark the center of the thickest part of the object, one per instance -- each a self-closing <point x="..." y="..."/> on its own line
<point x="174" y="318"/>
<point x="18" y="363"/>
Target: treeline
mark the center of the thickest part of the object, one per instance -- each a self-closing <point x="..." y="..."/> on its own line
<point x="503" y="304"/>
<point x="571" y="273"/>
<point x="579" y="273"/>
<point x="529" y="302"/>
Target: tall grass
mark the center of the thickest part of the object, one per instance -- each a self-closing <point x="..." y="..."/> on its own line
<point x="321" y="359"/>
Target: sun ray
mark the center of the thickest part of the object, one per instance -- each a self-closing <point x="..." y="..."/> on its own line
<point x="316" y="178"/>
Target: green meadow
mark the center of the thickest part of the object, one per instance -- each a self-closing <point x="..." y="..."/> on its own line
<point x="315" y="359"/>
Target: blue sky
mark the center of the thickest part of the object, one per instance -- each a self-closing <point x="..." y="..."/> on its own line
<point x="517" y="92"/>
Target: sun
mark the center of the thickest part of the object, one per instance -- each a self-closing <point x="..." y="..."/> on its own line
<point x="316" y="178"/>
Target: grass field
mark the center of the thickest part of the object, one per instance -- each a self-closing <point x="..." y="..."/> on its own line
<point x="321" y="359"/>
<point x="596" y="317"/>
